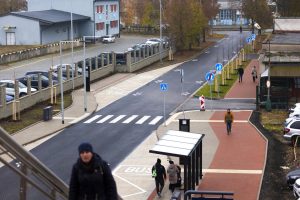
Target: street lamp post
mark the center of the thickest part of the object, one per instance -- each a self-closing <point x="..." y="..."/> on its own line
<point x="72" y="46"/>
<point x="160" y="32"/>
<point x="268" y="103"/>
<point x="84" y="69"/>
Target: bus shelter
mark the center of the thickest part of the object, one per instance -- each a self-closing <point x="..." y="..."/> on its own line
<point x="188" y="147"/>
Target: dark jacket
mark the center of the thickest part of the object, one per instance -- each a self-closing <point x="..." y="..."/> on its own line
<point x="92" y="181"/>
<point x="160" y="171"/>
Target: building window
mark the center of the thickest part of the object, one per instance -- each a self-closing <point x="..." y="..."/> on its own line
<point x="100" y="26"/>
<point x="297" y="82"/>
<point x="99" y="9"/>
<point x="114" y="24"/>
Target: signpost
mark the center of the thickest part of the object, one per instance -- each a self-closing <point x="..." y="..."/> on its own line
<point x="209" y="77"/>
<point x="164" y="89"/>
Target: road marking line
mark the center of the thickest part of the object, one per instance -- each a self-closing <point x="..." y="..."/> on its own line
<point x="232" y="171"/>
<point x="206" y="121"/>
<point x="117" y="119"/>
<point x="79" y="118"/>
<point x="92" y="119"/>
<point x="143" y="119"/>
<point x="105" y="119"/>
<point x="155" y="120"/>
<point x="130" y="119"/>
<point x="59" y="117"/>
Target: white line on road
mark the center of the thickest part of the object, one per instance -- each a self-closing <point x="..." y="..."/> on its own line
<point x="206" y="121"/>
<point x="105" y="119"/>
<point x="143" y="119"/>
<point x="155" y="120"/>
<point x="130" y="119"/>
<point x="92" y="119"/>
<point x="117" y="119"/>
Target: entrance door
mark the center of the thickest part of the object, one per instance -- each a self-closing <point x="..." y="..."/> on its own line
<point x="10" y="38"/>
<point x="107" y="29"/>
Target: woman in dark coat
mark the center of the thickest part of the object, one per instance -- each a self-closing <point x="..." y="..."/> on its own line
<point x="91" y="177"/>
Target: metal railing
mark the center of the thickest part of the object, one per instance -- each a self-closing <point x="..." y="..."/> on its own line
<point x="30" y="170"/>
<point x="208" y="195"/>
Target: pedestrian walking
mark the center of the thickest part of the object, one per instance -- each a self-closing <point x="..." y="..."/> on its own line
<point x="241" y="29"/>
<point x="240" y="71"/>
<point x="254" y="73"/>
<point x="91" y="177"/>
<point x="172" y="173"/>
<point x="159" y="173"/>
<point x="228" y="119"/>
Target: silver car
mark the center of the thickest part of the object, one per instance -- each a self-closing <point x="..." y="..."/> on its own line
<point x="291" y="129"/>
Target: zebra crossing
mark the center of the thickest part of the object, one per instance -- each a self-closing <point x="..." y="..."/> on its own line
<point x="124" y="119"/>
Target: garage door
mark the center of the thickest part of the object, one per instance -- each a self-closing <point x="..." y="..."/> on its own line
<point x="10" y="38"/>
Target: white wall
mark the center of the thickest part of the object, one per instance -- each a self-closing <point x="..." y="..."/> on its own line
<point x="27" y="31"/>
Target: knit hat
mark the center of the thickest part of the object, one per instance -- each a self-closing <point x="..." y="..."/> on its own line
<point x="158" y="160"/>
<point x="85" y="147"/>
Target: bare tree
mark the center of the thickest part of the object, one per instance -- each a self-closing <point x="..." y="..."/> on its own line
<point x="290" y="8"/>
<point x="8" y="6"/>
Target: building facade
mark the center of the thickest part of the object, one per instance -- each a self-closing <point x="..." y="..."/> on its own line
<point x="230" y="13"/>
<point x="50" y="21"/>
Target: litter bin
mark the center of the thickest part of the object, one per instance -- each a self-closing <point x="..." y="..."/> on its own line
<point x="47" y="113"/>
<point x="184" y="125"/>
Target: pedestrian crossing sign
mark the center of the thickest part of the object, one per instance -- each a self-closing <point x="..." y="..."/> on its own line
<point x="163" y="87"/>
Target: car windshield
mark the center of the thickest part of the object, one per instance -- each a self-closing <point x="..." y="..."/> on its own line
<point x="21" y="85"/>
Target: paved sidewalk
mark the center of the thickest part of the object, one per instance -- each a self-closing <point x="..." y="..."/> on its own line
<point x="226" y="159"/>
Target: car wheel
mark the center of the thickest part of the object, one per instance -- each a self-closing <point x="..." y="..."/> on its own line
<point x="22" y="94"/>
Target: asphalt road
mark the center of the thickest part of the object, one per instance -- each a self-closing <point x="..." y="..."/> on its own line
<point x="116" y="140"/>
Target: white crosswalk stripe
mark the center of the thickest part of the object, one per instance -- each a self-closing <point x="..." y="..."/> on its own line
<point x="112" y="119"/>
<point x="143" y="119"/>
<point x="117" y="119"/>
<point x="155" y="120"/>
<point x="105" y="119"/>
<point x="127" y="121"/>
<point x="92" y="119"/>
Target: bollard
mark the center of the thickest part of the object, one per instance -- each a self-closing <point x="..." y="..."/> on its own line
<point x="202" y="103"/>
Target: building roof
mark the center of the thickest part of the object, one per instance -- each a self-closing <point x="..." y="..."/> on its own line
<point x="50" y="16"/>
<point x="287" y="25"/>
<point x="286" y="38"/>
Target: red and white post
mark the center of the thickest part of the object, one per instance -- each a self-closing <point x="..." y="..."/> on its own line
<point x="202" y="103"/>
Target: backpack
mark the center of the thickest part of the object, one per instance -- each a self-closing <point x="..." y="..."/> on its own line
<point x="154" y="174"/>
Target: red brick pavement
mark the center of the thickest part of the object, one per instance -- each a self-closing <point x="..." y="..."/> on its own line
<point x="245" y="149"/>
<point x="246" y="89"/>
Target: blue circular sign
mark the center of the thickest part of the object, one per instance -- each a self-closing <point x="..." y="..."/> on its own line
<point x="209" y="76"/>
<point x="253" y="36"/>
<point x="219" y="66"/>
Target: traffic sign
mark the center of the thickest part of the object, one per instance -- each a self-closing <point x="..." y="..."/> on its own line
<point x="163" y="87"/>
<point x="219" y="67"/>
<point x="209" y="76"/>
<point x="253" y="36"/>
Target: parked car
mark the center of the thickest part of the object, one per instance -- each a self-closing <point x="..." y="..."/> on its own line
<point x="108" y="39"/>
<point x="9" y="98"/>
<point x="292" y="176"/>
<point x="135" y="47"/>
<point x="295" y="113"/>
<point x="295" y="106"/>
<point x="35" y="80"/>
<point x="64" y="69"/>
<point x="10" y="88"/>
<point x="45" y="73"/>
<point x="292" y="130"/>
<point x="153" y="41"/>
<point x="296" y="188"/>
<point x="120" y="58"/>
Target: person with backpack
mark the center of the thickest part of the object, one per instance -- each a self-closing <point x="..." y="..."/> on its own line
<point x="159" y="174"/>
<point x="91" y="177"/>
